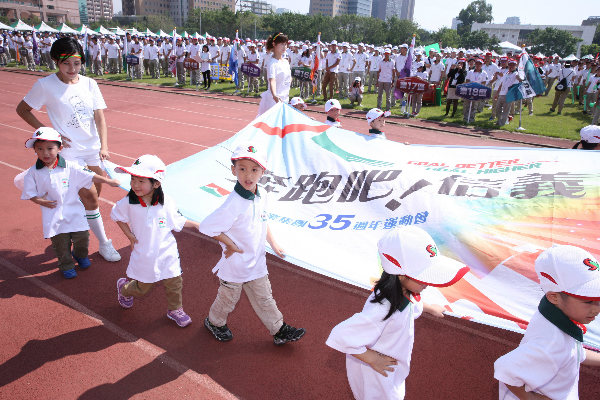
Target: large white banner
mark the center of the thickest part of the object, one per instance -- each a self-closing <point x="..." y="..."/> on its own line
<point x="333" y="193"/>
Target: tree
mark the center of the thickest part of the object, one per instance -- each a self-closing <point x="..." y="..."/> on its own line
<point x="592" y="49"/>
<point x="477" y="11"/>
<point x="447" y="37"/>
<point x="479" y="39"/>
<point x="552" y="40"/>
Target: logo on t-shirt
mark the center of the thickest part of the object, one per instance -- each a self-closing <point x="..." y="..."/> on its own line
<point x="162" y="222"/>
<point x="65" y="182"/>
<point x="263" y="216"/>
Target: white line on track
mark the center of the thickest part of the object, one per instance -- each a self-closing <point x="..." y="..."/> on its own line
<point x="172" y="121"/>
<point x="142" y="344"/>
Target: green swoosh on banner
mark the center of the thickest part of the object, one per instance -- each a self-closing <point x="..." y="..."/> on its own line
<point x="211" y="191"/>
<point x="323" y="141"/>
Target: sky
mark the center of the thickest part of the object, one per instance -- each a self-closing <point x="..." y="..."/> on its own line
<point x="434" y="14"/>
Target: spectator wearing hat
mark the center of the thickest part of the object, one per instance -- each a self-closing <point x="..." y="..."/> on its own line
<point x="374" y="60"/>
<point x="332" y="64"/>
<point x="135" y="49"/>
<point x="103" y="55"/>
<point x="179" y="53"/>
<point x="510" y="78"/>
<point x="436" y="71"/>
<point x="399" y="62"/>
<point x="477" y="75"/>
<point x="4" y="53"/>
<point x="333" y="109"/>
<point x="194" y="52"/>
<point x="346" y="65"/>
<point x="356" y="91"/>
<point x="566" y="74"/>
<point x="305" y="61"/>
<point x="491" y="69"/>
<point x="591" y="88"/>
<point x="114" y="55"/>
<point x="252" y="58"/>
<point x="385" y="76"/>
<point x="590" y="138"/>
<point x="456" y="76"/>
<point x="28" y="59"/>
<point x="552" y="72"/>
<point x="416" y="99"/>
<point x="167" y="48"/>
<point x="152" y="53"/>
<point x="495" y="82"/>
<point x="361" y="64"/>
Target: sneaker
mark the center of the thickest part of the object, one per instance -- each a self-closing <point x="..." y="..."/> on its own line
<point x="180" y="317"/>
<point x="69" y="273"/>
<point x="221" y="333"/>
<point x="125" y="302"/>
<point x="288" y="333"/>
<point x="84" y="263"/>
<point x="108" y="252"/>
<point x="552" y="110"/>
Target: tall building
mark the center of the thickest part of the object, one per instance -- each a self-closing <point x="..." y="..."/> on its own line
<point x="513" y="21"/>
<point x="328" y="7"/>
<point x="52" y="11"/>
<point x="258" y="7"/>
<point x="359" y="7"/>
<point x="98" y="10"/>
<point x="591" y="21"/>
<point x="384" y="9"/>
<point x="178" y="10"/>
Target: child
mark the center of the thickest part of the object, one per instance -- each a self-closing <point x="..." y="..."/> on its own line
<point x="376" y="121"/>
<point x="590" y="138"/>
<point x="240" y="224"/>
<point x="546" y="363"/>
<point x="356" y="91"/>
<point x="147" y="217"/>
<point x="417" y="98"/>
<point x="298" y="103"/>
<point x="55" y="184"/>
<point x="333" y="109"/>
<point x="378" y="341"/>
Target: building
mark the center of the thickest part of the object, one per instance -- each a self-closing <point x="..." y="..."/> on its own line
<point x="591" y="21"/>
<point x="328" y="7"/>
<point x="52" y="11"/>
<point x="178" y="10"/>
<point x="258" y="7"/>
<point x="384" y="9"/>
<point x="283" y="10"/>
<point x="517" y="34"/>
<point x="513" y="21"/>
<point x="455" y="23"/>
<point x="97" y="10"/>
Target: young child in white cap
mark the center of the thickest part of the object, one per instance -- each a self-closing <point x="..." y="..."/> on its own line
<point x="147" y="216"/>
<point x="546" y="363"/>
<point x="55" y="184"/>
<point x="298" y="103"/>
<point x="376" y="120"/>
<point x="378" y="341"/>
<point x="240" y="224"/>
<point x="590" y="138"/>
<point x="333" y="109"/>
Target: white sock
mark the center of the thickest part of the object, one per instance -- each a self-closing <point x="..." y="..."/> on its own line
<point x="94" y="219"/>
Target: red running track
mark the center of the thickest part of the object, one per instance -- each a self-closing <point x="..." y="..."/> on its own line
<point x="71" y="340"/>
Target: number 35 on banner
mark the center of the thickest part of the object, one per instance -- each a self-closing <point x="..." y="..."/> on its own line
<point x="339" y="223"/>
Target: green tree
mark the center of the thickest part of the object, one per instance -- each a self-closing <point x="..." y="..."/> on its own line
<point x="596" y="39"/>
<point x="400" y="30"/>
<point x="592" y="49"/>
<point x="447" y="37"/>
<point x="479" y="39"/>
<point x="477" y="11"/>
<point x="552" y="40"/>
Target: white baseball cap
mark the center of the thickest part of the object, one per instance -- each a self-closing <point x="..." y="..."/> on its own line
<point x="404" y="45"/>
<point x="250" y="152"/>
<point x="297" y="100"/>
<point x="147" y="166"/>
<point x="387" y="50"/>
<point x="333" y="42"/>
<point x="410" y="251"/>
<point x="332" y="103"/>
<point x="590" y="133"/>
<point x="569" y="269"/>
<point x="375" y="113"/>
<point x="44" y="133"/>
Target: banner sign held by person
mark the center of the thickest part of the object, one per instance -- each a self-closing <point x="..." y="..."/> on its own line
<point x="301" y="73"/>
<point x="132" y="60"/>
<point x="333" y="193"/>
<point x="251" y="70"/>
<point x="532" y="83"/>
<point x="191" y="64"/>
<point x="473" y="91"/>
<point x="412" y="85"/>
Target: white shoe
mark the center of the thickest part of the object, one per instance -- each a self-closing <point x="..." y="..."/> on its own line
<point x="108" y="252"/>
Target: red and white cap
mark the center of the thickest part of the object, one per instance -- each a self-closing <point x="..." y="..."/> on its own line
<point x="43" y="133"/>
<point x="375" y="113"/>
<point x="410" y="251"/>
<point x="147" y="166"/>
<point x="569" y="269"/>
<point x="590" y="133"/>
<point x="332" y="103"/>
<point x="250" y="152"/>
<point x="297" y="100"/>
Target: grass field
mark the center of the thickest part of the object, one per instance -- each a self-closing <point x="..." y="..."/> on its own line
<point x="542" y="122"/>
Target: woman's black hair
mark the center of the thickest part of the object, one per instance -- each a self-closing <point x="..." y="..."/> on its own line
<point x="306" y="53"/>
<point x="275" y="39"/>
<point x="66" y="47"/>
<point x="205" y="47"/>
<point x="585" y="145"/>
<point x="158" y="197"/>
<point x="389" y="287"/>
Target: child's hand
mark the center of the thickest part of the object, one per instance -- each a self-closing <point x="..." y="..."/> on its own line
<point x="229" y="250"/>
<point x="46" y="203"/>
<point x="382" y="363"/>
<point x="434" y="309"/>
<point x="279" y="251"/>
<point x="133" y="240"/>
<point x="113" y="182"/>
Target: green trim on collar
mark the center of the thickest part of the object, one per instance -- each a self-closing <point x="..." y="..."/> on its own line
<point x="559" y="319"/>
<point x="246" y="194"/>
<point x="133" y="199"/>
<point x="404" y="303"/>
<point x="375" y="131"/>
<point x="39" y="164"/>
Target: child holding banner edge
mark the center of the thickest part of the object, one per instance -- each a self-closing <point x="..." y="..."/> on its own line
<point x="240" y="224"/>
<point x="546" y="363"/>
<point x="378" y="341"/>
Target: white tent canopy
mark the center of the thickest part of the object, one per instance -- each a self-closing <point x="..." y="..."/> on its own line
<point x="4" y="26"/>
<point x="43" y="27"/>
<point x="162" y="33"/>
<point x="570" y="58"/>
<point x="64" y="28"/>
<point x="508" y="46"/>
<point x="22" y="26"/>
<point x="118" y="31"/>
<point x="103" y="31"/>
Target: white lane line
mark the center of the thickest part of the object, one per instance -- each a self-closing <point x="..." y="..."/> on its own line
<point x="172" y="121"/>
<point x="150" y="349"/>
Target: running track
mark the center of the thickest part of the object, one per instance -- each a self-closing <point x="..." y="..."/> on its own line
<point x="71" y="340"/>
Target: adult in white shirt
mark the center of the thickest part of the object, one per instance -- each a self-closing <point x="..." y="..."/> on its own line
<point x="510" y="78"/>
<point x="385" y="77"/>
<point x="194" y="52"/>
<point x="75" y="108"/>
<point x="374" y="60"/>
<point x="361" y="63"/>
<point x="179" y="53"/>
<point x="46" y="43"/>
<point x="552" y="72"/>
<point x="470" y="107"/>
<point x="436" y="71"/>
<point x="28" y="59"/>
<point x="152" y="53"/>
<point x="332" y="64"/>
<point x="279" y="74"/>
<point x="346" y="66"/>
<point x="566" y="74"/>
<point x="135" y="49"/>
<point x="114" y="55"/>
<point x="253" y="57"/>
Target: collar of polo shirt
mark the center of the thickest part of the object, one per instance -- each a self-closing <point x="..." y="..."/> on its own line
<point x="246" y="194"/>
<point x="60" y="162"/>
<point x="559" y="319"/>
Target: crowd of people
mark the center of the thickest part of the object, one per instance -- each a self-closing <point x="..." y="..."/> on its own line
<point x="343" y="70"/>
<point x="378" y="340"/>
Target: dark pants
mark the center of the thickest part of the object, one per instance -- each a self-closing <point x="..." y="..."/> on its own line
<point x="206" y="79"/>
<point x="61" y="244"/>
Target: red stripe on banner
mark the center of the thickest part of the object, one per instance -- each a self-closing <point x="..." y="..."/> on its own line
<point x="219" y="189"/>
<point x="291" y="128"/>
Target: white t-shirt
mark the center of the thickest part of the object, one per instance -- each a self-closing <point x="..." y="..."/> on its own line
<point x="244" y="220"/>
<point x="214" y="51"/>
<point x="393" y="337"/>
<point x="155" y="257"/>
<point x="112" y="50"/>
<point x="436" y="70"/>
<point x="509" y="79"/>
<point x="331" y="59"/>
<point x="490" y="70"/>
<point x="386" y="71"/>
<point x="479" y="77"/>
<point x="346" y="62"/>
<point x="205" y="65"/>
<point x="361" y="62"/>
<point x="61" y="184"/>
<point x="70" y="108"/>
<point x="375" y="60"/>
<point x="280" y="70"/>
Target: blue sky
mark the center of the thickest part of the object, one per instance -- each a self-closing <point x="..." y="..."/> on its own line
<point x="434" y="14"/>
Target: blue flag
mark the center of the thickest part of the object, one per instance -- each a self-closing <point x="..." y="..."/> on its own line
<point x="532" y="83"/>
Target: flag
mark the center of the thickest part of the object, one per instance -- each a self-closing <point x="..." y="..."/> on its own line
<point x="532" y="83"/>
<point x="405" y="72"/>
<point x="85" y="46"/>
<point x="36" y="53"/>
<point x="434" y="46"/>
<point x="233" y="62"/>
<point x="173" y="57"/>
<point x="316" y="64"/>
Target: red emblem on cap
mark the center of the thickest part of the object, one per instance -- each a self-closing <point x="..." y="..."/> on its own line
<point x="251" y="149"/>
<point x="592" y="264"/>
<point x="551" y="279"/>
<point x="432" y="250"/>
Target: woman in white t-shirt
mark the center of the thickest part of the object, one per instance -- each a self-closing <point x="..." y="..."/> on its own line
<point x="205" y="67"/>
<point x="279" y="74"/>
<point x="305" y="61"/>
<point x="75" y="108"/>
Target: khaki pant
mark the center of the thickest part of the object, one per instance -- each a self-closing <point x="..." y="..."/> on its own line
<point x="112" y="65"/>
<point x="173" y="289"/>
<point x="328" y="80"/>
<point x="372" y="80"/>
<point x="260" y="296"/>
<point x="596" y="112"/>
<point x="355" y="97"/>
<point x="502" y="110"/>
<point x="559" y="99"/>
<point x="416" y="101"/>
<point x="180" y="71"/>
<point x="97" y="66"/>
<point x="343" y="78"/>
<point x="154" y="72"/>
<point x="387" y="86"/>
<point x="549" y="83"/>
<point x="61" y="244"/>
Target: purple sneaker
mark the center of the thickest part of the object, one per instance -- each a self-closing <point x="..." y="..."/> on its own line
<point x="180" y="317"/>
<point x="125" y="302"/>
